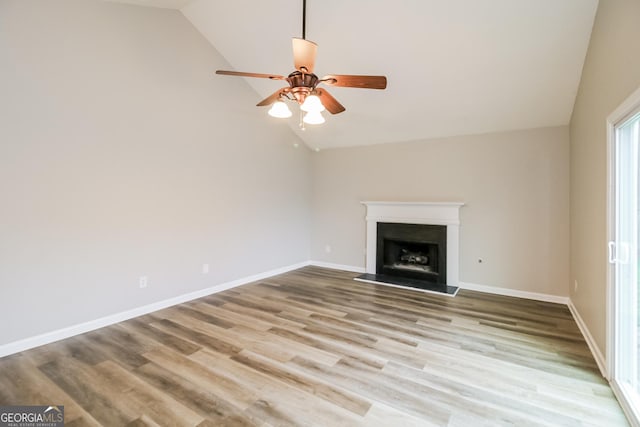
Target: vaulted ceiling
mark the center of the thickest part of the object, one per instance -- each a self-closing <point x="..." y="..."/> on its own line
<point x="454" y="67"/>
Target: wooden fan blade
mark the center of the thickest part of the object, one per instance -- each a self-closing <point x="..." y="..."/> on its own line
<point x="329" y="102"/>
<point x="363" y="82"/>
<point x="304" y="55"/>
<point x="273" y="97"/>
<point x="241" y="74"/>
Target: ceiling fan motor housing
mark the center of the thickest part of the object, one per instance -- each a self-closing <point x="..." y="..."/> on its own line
<point x="302" y="84"/>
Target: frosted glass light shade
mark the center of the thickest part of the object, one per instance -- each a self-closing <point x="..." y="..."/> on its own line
<point x="312" y="104"/>
<point x="280" y="110"/>
<point x="313" y="118"/>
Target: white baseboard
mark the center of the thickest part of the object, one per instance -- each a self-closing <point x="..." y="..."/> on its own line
<point x="49" y="337"/>
<point x="626" y="397"/>
<point x="332" y="266"/>
<point x="595" y="351"/>
<point x="597" y="355"/>
<point x="515" y="293"/>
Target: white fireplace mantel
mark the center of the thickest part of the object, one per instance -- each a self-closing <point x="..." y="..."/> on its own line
<point x="434" y="213"/>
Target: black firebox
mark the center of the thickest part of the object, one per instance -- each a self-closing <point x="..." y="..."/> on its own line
<point x="413" y="251"/>
<point x="411" y="255"/>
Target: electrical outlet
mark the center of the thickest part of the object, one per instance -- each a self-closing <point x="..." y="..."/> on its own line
<point x="575" y="285"/>
<point x="205" y="268"/>
<point x="327" y="248"/>
<point x="143" y="282"/>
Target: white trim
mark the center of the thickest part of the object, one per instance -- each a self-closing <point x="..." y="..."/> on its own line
<point x="402" y="220"/>
<point x="374" y="282"/>
<point x="449" y="204"/>
<point x="624" y="111"/>
<point x="333" y="266"/>
<point x="624" y="399"/>
<point x="597" y="355"/>
<point x="49" y="337"/>
<point x="611" y="236"/>
<point x="515" y="293"/>
<point x="591" y="343"/>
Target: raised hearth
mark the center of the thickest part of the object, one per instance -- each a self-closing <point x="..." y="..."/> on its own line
<point x="403" y="282"/>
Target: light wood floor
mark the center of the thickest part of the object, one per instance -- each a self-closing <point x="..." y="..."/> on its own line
<point x="314" y="347"/>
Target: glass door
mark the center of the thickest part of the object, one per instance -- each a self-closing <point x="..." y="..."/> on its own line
<point x="623" y="257"/>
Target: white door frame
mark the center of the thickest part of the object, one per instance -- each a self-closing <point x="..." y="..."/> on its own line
<point x="626" y="110"/>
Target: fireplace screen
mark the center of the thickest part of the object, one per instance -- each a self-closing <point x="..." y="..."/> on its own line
<point x="413" y="251"/>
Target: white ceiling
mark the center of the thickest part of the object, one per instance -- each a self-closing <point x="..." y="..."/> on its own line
<point x="454" y="67"/>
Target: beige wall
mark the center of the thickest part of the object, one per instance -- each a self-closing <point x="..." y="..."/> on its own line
<point x="122" y="155"/>
<point x="611" y="73"/>
<point x="515" y="186"/>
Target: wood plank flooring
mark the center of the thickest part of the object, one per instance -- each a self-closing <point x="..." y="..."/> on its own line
<point x="314" y="347"/>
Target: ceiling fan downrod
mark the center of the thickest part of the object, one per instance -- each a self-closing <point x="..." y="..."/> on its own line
<point x="304" y="19"/>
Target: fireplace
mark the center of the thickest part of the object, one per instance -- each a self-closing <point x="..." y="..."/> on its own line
<point x="414" y="251"/>
<point x="413" y="244"/>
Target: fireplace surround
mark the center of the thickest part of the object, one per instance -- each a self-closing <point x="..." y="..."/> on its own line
<point x="431" y="254"/>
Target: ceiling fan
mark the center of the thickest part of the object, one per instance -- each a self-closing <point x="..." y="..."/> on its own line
<point x="303" y="83"/>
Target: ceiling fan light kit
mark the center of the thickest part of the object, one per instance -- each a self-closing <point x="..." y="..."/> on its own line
<point x="312" y="104"/>
<point x="280" y="110"/>
<point x="303" y="83"/>
<point x="313" y="118"/>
